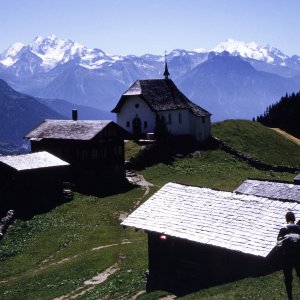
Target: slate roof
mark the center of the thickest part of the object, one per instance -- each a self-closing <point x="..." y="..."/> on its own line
<point x="238" y="222"/>
<point x="161" y="95"/>
<point x="69" y="129"/>
<point x="270" y="189"/>
<point x="31" y="161"/>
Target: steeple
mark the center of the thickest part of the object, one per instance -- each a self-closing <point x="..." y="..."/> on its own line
<point x="166" y="73"/>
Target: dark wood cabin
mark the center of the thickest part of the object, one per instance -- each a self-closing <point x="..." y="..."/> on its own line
<point x="183" y="266"/>
<point x="198" y="237"/>
<point x="94" y="149"/>
<point x="31" y="183"/>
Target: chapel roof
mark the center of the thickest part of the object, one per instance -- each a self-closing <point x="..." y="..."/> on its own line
<point x="161" y="95"/>
<point x="270" y="189"/>
<point x="31" y="161"/>
<point x="244" y="223"/>
<point x="71" y="130"/>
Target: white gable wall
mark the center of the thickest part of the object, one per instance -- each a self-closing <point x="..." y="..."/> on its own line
<point x="135" y="106"/>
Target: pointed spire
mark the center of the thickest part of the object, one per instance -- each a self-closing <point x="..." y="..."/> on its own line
<point x="166" y="73"/>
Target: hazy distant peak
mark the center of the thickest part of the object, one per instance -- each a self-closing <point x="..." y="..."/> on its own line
<point x="178" y="52"/>
<point x="200" y="50"/>
<point x="251" y="50"/>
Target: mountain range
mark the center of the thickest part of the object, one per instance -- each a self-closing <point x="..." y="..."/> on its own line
<point x="234" y="80"/>
<point x="20" y="113"/>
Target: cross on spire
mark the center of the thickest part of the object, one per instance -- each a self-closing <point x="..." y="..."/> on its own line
<point x="166" y="73"/>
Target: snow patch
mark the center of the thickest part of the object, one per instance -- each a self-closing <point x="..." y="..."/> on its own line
<point x="10" y="56"/>
<point x="200" y="50"/>
<point x="249" y="50"/>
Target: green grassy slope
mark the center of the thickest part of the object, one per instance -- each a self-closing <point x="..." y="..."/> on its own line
<point x="258" y="141"/>
<point x="54" y="254"/>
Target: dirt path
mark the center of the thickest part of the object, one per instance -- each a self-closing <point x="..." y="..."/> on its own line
<point x="46" y="263"/>
<point x="168" y="297"/>
<point x="90" y="284"/>
<point x="287" y="136"/>
<point x="139" y="180"/>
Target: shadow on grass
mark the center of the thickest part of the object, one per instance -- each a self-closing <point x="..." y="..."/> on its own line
<point x="166" y="151"/>
<point x="106" y="190"/>
<point x="26" y="209"/>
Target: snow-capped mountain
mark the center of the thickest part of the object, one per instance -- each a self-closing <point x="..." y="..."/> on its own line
<point x="53" y="51"/>
<point x="253" y="51"/>
<point x="231" y="87"/>
<point x="62" y="69"/>
<point x="11" y="55"/>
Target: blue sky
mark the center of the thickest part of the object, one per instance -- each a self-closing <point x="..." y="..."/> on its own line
<point x="152" y="26"/>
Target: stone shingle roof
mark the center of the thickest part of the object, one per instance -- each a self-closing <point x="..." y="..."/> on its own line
<point x="270" y="189"/>
<point x="31" y="161"/>
<point x="161" y="95"/>
<point x="69" y="129"/>
<point x="238" y="222"/>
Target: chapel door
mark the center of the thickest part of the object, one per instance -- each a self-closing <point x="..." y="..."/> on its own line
<point x="136" y="127"/>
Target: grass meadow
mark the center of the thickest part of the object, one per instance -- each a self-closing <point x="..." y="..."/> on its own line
<point x="62" y="254"/>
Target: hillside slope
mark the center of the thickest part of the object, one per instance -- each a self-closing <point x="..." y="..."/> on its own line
<point x="287" y="135"/>
<point x="258" y="141"/>
<point x="63" y="253"/>
<point x="19" y="114"/>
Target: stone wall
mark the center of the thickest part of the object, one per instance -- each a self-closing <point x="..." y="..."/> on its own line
<point x="252" y="161"/>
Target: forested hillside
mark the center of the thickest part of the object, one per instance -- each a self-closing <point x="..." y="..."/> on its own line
<point x="285" y="114"/>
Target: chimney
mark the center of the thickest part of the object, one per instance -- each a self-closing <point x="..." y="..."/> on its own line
<point x="74" y="115"/>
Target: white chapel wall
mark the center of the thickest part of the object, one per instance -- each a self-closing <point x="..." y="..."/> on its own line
<point x="136" y="107"/>
<point x="201" y="127"/>
<point x="177" y="121"/>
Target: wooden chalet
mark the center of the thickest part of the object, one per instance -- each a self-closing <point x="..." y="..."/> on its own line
<point x="198" y="237"/>
<point x="31" y="183"/>
<point x="94" y="149"/>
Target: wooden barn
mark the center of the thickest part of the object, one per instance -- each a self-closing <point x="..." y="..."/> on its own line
<point x="146" y="100"/>
<point x="198" y="237"/>
<point x="94" y="149"/>
<point x="31" y="183"/>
